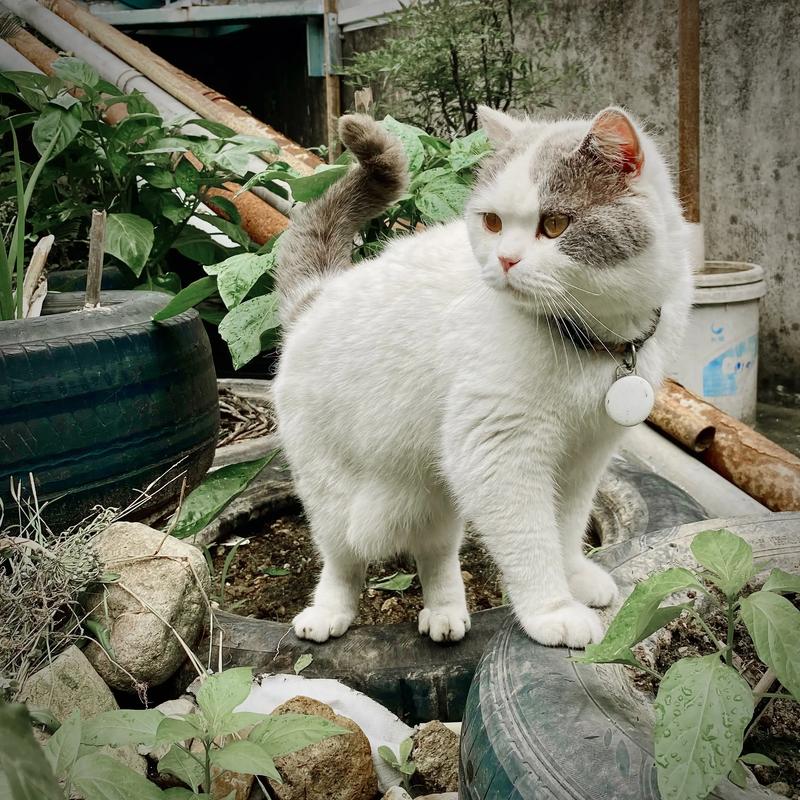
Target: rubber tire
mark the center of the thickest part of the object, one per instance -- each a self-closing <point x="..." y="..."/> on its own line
<point x="414" y="677"/>
<point x="74" y="280"/>
<point x="98" y="404"/>
<point x="537" y="725"/>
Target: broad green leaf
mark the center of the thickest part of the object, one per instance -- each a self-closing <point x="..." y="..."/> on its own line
<point x="75" y="71"/>
<point x="169" y="144"/>
<point x="101" y="634"/>
<point x="183" y="766"/>
<point x="256" y="144"/>
<point x="233" y="231"/>
<point x="782" y="582"/>
<point x="129" y="237"/>
<point x="187" y="298"/>
<point x="634" y="621"/>
<point x="237" y="720"/>
<point x="226" y="206"/>
<point x="398" y="582"/>
<point x="213" y="495"/>
<point x="409" y="137"/>
<point x="757" y="758"/>
<point x="738" y="775"/>
<point x="280" y="734"/>
<point x="217" y="128"/>
<point x="222" y="692"/>
<point x="727" y="557"/>
<point x="248" y="326"/>
<point x="237" y="275"/>
<point x="388" y="756"/>
<point x="27" y="772"/>
<point x="774" y="626"/>
<point x="468" y="151"/>
<point x="122" y="727"/>
<point x="62" y="747"/>
<point x="182" y="793"/>
<point x="245" y="756"/>
<point x="56" y="126"/>
<point x="426" y="176"/>
<point x="179" y="729"/>
<point x="406" y="746"/>
<point x="312" y="186"/>
<point x="442" y="199"/>
<point x="188" y="177"/>
<point x="302" y="662"/>
<point x="158" y="176"/>
<point x="101" y="777"/>
<point x="407" y="767"/>
<point x="200" y="246"/>
<point x="268" y="176"/>
<point x="233" y="159"/>
<point x="702" y="709"/>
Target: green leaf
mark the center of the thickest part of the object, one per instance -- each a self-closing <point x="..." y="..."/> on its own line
<point x="757" y="758"/>
<point x="101" y="634"/>
<point x="702" y="709"/>
<point x="129" y="237"/>
<point x="245" y="756"/>
<point x="236" y="720"/>
<point x="101" y="777"/>
<point x="408" y="767"/>
<point x="312" y="186"/>
<point x="275" y="572"/>
<point x="231" y="229"/>
<point x="255" y="144"/>
<point x="178" y="729"/>
<point x="188" y="177"/>
<point x="302" y="662"/>
<point x="237" y="275"/>
<point x="122" y="727"/>
<point x="468" y="151"/>
<point x="56" y="127"/>
<point x="397" y="582"/>
<point x="183" y="766"/>
<point x="62" y="747"/>
<point x="226" y="206"/>
<point x="75" y="71"/>
<point x="213" y="495"/>
<point x="22" y="761"/>
<point x="388" y="756"/>
<point x="635" y="619"/>
<point x="261" y="178"/>
<point x="442" y="199"/>
<point x="406" y="746"/>
<point x="222" y="692"/>
<point x="246" y="326"/>
<point x="280" y="734"/>
<point x="727" y="557"/>
<point x="217" y="128"/>
<point x="186" y="298"/>
<point x="738" y="775"/>
<point x="409" y="136"/>
<point x="158" y="176"/>
<point x="774" y="626"/>
<point x="782" y="582"/>
<point x="200" y="246"/>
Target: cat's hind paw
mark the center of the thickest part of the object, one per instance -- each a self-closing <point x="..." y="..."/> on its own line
<point x="445" y="623"/>
<point x="318" y="623"/>
<point x="591" y="585"/>
<point x="573" y="625"/>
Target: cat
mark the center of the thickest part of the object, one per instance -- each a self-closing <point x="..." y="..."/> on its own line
<point x="460" y="375"/>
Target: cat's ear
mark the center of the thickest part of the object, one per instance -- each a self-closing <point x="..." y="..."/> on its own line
<point x="498" y="126"/>
<point x="613" y="135"/>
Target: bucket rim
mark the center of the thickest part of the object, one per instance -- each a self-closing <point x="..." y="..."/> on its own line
<point x="728" y="273"/>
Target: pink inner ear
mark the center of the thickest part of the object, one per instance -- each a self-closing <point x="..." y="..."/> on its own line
<point x="617" y="139"/>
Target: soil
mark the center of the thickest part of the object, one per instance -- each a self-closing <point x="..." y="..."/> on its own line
<point x="777" y="734"/>
<point x="240" y="418"/>
<point x="285" y="545"/>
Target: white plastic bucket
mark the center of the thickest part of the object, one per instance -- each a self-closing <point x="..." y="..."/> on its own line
<point x="720" y="357"/>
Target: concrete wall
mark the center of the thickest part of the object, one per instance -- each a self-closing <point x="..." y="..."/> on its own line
<point x="750" y="135"/>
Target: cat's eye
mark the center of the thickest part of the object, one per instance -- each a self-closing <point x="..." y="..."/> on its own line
<point x="553" y="225"/>
<point x="492" y="223"/>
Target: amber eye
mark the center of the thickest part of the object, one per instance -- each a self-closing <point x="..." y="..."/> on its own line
<point x="553" y="225"/>
<point x="492" y="223"/>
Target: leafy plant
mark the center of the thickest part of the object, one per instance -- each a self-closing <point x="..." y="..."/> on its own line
<point x="445" y="57"/>
<point x="401" y="761"/>
<point x="397" y="582"/>
<point x="216" y="729"/>
<point x="704" y="707"/>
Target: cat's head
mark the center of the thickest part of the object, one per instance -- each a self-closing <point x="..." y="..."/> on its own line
<point x="575" y="212"/>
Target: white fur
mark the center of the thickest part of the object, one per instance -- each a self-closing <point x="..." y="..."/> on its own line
<point x="424" y="388"/>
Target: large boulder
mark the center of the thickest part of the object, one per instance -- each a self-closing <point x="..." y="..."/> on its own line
<point x="435" y="754"/>
<point x="337" y="768"/>
<point x="161" y="595"/>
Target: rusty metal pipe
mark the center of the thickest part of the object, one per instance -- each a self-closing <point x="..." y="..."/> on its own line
<point x="755" y="464"/>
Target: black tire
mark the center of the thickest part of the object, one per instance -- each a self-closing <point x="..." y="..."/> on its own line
<point x="74" y="280"/>
<point x="537" y="725"/>
<point x="98" y="404"/>
<point x="415" y="678"/>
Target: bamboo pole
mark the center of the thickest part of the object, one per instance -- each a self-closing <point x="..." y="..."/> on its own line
<point x="194" y="94"/>
<point x="97" y="249"/>
<point x="333" y="98"/>
<point x="689" y="108"/>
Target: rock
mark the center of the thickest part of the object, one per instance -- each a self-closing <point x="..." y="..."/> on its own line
<point x="397" y="793"/>
<point x="164" y="580"/>
<point x="436" y="755"/>
<point x="337" y="768"/>
<point x="781" y="788"/>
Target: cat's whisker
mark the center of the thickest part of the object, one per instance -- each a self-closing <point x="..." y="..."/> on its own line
<point x="599" y="321"/>
<point x="562" y="282"/>
<point x="564" y="312"/>
<point x="583" y="321"/>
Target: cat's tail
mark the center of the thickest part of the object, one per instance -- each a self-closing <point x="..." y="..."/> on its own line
<point x="319" y="241"/>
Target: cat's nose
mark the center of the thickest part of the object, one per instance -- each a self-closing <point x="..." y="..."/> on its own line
<point x="506" y="263"/>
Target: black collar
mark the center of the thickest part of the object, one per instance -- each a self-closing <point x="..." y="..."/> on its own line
<point x="582" y="337"/>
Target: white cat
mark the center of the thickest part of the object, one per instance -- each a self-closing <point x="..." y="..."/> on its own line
<point x="461" y="374"/>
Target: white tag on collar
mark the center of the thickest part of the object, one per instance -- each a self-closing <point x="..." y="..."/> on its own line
<point x="630" y="400"/>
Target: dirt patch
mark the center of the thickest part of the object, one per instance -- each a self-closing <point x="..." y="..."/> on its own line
<point x="272" y="577"/>
<point x="240" y="418"/>
<point x="777" y="734"/>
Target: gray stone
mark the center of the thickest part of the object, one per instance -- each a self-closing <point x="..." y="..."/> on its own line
<point x="780" y="787"/>
<point x="397" y="793"/>
<point x="436" y="755"/>
<point x="162" y="580"/>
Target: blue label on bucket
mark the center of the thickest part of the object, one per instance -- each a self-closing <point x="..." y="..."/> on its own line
<point x="724" y="375"/>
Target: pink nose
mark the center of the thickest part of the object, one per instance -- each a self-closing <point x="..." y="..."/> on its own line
<point x="507" y="263"/>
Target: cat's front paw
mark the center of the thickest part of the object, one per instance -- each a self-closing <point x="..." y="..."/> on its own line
<point x="318" y="623"/>
<point x="573" y="625"/>
<point x="445" y="623"/>
<point x="591" y="585"/>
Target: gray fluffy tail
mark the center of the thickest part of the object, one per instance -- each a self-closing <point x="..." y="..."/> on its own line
<point x="319" y="241"/>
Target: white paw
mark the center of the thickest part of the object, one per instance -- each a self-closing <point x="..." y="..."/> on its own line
<point x="573" y="625"/>
<point x="445" y="623"/>
<point x="319" y="623"/>
<point x="591" y="585"/>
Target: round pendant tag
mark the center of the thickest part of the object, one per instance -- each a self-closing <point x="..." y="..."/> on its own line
<point x="630" y="400"/>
